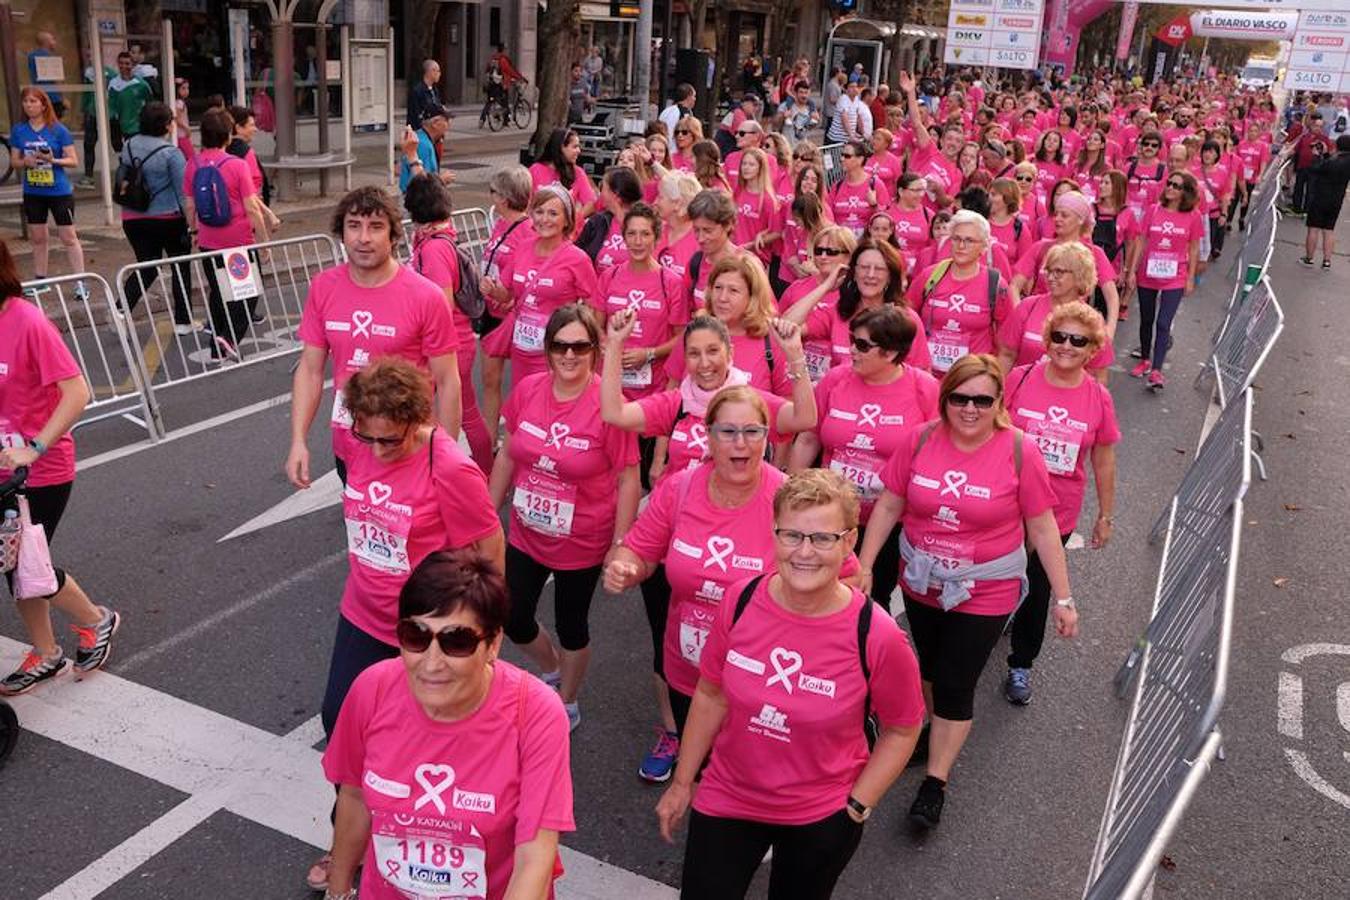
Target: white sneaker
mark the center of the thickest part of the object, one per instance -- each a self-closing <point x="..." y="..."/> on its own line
<point x="186" y="329"/>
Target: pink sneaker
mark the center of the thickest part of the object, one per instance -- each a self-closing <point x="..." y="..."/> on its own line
<point x="1141" y="369"/>
<point x="1156" y="381"/>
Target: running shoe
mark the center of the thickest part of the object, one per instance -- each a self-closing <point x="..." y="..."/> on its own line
<point x="317" y="876"/>
<point x="1124" y="313"/>
<point x="1137" y="353"/>
<point x="96" y="641"/>
<point x="1141" y="370"/>
<point x="552" y="679"/>
<point x="225" y="350"/>
<point x="573" y="715"/>
<point x="1306" y="260"/>
<point x="1326" y="265"/>
<point x="1156" y="381"/>
<point x="81" y="292"/>
<point x="1017" y="686"/>
<point x="34" y="670"/>
<point x="182" y="329"/>
<point x="660" y="760"/>
<point x="926" y="810"/>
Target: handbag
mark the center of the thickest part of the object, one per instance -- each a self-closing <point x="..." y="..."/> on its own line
<point x="34" y="576"/>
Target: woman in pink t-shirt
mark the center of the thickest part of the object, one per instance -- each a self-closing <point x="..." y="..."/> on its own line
<point x="971" y="493"/>
<point x="713" y="215"/>
<point x="1218" y="178"/>
<point x="602" y="236"/>
<point x="864" y="409"/>
<point x="539" y="278"/>
<point x="558" y="166"/>
<point x="830" y="249"/>
<point x="757" y="230"/>
<point x="1071" y="417"/>
<point x="1045" y="225"/>
<point x="452" y="765"/>
<point x="1072" y="276"/>
<point x="912" y="219"/>
<point x="1050" y="160"/>
<point x="884" y="165"/>
<point x="678" y="243"/>
<point x="688" y="132"/>
<point x="804" y="220"/>
<point x="1074" y="223"/>
<point x="858" y="193"/>
<point x="1007" y="229"/>
<point x="1163" y="258"/>
<point x="42" y="393"/>
<point x="511" y="190"/>
<point x="790" y="766"/>
<point x="434" y="257"/>
<point x="1254" y="153"/>
<point x="573" y="486"/>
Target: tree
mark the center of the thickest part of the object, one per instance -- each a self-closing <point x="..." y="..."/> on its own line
<point x="559" y="40"/>
<point x="419" y="43"/>
<point x="897" y="12"/>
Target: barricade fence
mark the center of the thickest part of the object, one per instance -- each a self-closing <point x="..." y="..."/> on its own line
<point x="472" y="228"/>
<point x="832" y="163"/>
<point x="79" y="306"/>
<point x="1246" y="342"/>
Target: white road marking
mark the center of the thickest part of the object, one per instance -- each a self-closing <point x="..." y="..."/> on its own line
<point x="323" y="492"/>
<point x="1343" y="704"/>
<point x="203" y="625"/>
<point x="1305" y="771"/>
<point x="1290" y="708"/>
<point x="223" y="764"/>
<point x="1298" y="654"/>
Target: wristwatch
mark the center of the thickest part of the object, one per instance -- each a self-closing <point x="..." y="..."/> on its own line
<point x="1066" y="603"/>
<point x="856" y="807"/>
<point x="37" y="445"/>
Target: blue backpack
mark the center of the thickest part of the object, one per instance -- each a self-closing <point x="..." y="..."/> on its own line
<point x="211" y="195"/>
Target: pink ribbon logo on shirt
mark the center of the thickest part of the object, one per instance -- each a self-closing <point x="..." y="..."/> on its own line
<point x="635" y="297"/>
<point x="556" y="432"/>
<point x="391" y="868"/>
<point x="379" y="492"/>
<point x="433" y="790"/>
<point x="956" y="303"/>
<point x="1058" y="415"/>
<point x="361" y="321"/>
<point x="698" y="438"/>
<point x="954" y="481"/>
<point x="786" y="663"/>
<point x="868" y="414"/>
<point x="719" y="548"/>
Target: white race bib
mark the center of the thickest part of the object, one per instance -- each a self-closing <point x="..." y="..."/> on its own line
<point x="1059" y="446"/>
<point x="640" y="377"/>
<point x="945" y="349"/>
<point x="342" y="417"/>
<point x="545" y="505"/>
<point x="378" y="547"/>
<point x="1161" y="267"/>
<point x="528" y="336"/>
<point x="433" y="866"/>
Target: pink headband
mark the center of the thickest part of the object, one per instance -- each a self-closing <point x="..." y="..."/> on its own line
<point x="1076" y="203"/>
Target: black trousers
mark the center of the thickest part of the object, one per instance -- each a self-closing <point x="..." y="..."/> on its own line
<point x="1028" y="626"/>
<point x="952" y="648"/>
<point x="656" y="602"/>
<point x="354" y="651"/>
<point x="886" y="567"/>
<point x="1302" y="178"/>
<point x="722" y="855"/>
<point x="572" y="593"/>
<point x="153" y="239"/>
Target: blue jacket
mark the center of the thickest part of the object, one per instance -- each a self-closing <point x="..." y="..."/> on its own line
<point x="163" y="174"/>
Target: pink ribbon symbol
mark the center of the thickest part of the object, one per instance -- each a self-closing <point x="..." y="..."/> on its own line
<point x="954" y="481"/>
<point x="556" y="432"/>
<point x="470" y="879"/>
<point x="698" y="438"/>
<point x="956" y="303"/>
<point x="361" y="320"/>
<point x="719" y="548"/>
<point x="391" y="868"/>
<point x="786" y="663"/>
<point x="432" y="791"/>
<point x="1058" y="414"/>
<point x="868" y="414"/>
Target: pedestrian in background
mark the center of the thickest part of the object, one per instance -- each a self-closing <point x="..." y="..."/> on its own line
<point x="182" y="126"/>
<point x="1330" y="175"/>
<point x="127" y="95"/>
<point x="42" y="148"/>
<point x="45" y="47"/>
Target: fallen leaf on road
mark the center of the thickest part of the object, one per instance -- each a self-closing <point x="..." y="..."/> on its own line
<point x="1290" y="435"/>
<point x="1279" y="582"/>
<point x="1168" y="863"/>
<point x="1292" y="507"/>
<point x="1180" y="450"/>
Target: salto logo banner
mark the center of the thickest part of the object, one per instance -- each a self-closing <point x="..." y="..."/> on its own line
<point x="1303" y="703"/>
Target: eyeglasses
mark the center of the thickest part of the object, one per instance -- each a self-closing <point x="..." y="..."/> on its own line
<point x="381" y="441"/>
<point x="728" y="434"/>
<point x="1026" y="178"/>
<point x="1150" y="143"/>
<point x="1057" y="272"/>
<point x="458" y="641"/>
<point x="805" y="157"/>
<point x="821" y="540"/>
<point x="1077" y="340"/>
<point x="683" y="131"/>
<point x="829" y="251"/>
<point x="981" y="401"/>
<point x="863" y="345"/>
<point x="958" y="241"/>
<point x="576" y="348"/>
<point x="1177" y="185"/>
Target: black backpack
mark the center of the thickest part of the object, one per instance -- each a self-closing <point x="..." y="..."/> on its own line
<point x="130" y="189"/>
<point x="594" y="232"/>
<point x="469" y="298"/>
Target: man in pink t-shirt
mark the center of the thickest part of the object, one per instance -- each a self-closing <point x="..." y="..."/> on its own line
<point x="369" y="306"/>
<point x="937" y="164"/>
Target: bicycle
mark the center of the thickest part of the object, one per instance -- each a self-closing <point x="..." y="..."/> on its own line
<point x="513" y="107"/>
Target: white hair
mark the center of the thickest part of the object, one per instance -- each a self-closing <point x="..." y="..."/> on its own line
<point x="970" y="217"/>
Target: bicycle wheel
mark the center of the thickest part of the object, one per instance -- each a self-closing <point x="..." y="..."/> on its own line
<point x="6" y="169"/>
<point x="521" y="112"/>
<point x="498" y="116"/>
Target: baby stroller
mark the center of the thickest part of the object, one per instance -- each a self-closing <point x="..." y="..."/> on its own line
<point x="9" y="722"/>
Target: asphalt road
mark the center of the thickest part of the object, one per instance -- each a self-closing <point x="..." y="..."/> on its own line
<point x="229" y="642"/>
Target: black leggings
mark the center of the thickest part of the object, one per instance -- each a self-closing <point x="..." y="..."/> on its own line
<point x="572" y="592"/>
<point x="952" y="648"/>
<point x="722" y="855"/>
<point x="354" y="651"/>
<point x="886" y="567"/>
<point x="46" y="505"/>
<point x="1216" y="233"/>
<point x="656" y="601"/>
<point x="1028" y="626"/>
<point x="150" y="240"/>
<point x="680" y="704"/>
<point x="1160" y="306"/>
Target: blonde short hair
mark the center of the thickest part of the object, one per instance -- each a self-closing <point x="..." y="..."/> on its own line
<point x="741" y="393"/>
<point x="842" y="236"/>
<point x="1078" y="259"/>
<point x="1079" y="313"/>
<point x="811" y="488"/>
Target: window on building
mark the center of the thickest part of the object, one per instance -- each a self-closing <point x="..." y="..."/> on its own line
<point x="495" y="26"/>
<point x="471" y="42"/>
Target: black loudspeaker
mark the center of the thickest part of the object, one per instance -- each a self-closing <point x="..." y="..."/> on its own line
<point x="697" y="68"/>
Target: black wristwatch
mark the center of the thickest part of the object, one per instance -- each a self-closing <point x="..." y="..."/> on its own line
<point x="862" y="812"/>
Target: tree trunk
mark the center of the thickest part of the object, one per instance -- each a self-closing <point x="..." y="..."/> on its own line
<point x="898" y="12"/>
<point x="698" y="17"/>
<point x="419" y="43"/>
<point x="559" y="39"/>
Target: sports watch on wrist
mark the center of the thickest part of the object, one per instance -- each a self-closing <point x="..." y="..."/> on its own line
<point x="856" y="807"/>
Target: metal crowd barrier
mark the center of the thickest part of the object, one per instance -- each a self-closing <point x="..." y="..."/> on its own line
<point x="1246" y="342"/>
<point x="1251" y="264"/>
<point x="1179" y="668"/>
<point x="832" y="163"/>
<point x="109" y="363"/>
<point x="252" y="295"/>
<point x="472" y="228"/>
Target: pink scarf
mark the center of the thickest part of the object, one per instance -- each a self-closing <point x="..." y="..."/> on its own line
<point x="695" y="399"/>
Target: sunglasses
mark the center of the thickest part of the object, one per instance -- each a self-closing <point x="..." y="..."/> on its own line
<point x="576" y="348"/>
<point x="683" y="131"/>
<point x="745" y="133"/>
<point x="459" y="641"/>
<point x="1076" y="340"/>
<point x="848" y="155"/>
<point x="830" y="251"/>
<point x="1026" y="178"/>
<point x="863" y="345"/>
<point x="1150" y="143"/>
<point x="1177" y="185"/>
<point x="382" y="441"/>
<point x="981" y="401"/>
<point x="805" y="157"/>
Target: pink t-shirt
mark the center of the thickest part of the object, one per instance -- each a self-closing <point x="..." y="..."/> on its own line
<point x="665" y="416"/>
<point x="795" y="245"/>
<point x="398" y="513"/>
<point x="792" y="744"/>
<point x="827" y="323"/>
<point x="657" y="297"/>
<point x="861" y="424"/>
<point x="1066" y="423"/>
<point x="850" y="205"/>
<point x="1023" y="330"/>
<point x="995" y="255"/>
<point x="887" y="168"/>
<point x="582" y="191"/>
<point x="930" y="162"/>
<point x="755" y="214"/>
<point x="1144" y="184"/>
<point x="966" y="508"/>
<point x="540" y="285"/>
<point x="406" y="317"/>
<point x="564" y="485"/>
<point x="1047" y="173"/>
<point x="1032" y="265"/>
<point x="506" y="238"/>
<point x="33" y="359"/>
<point x="449" y="802"/>
<point x="614" y="251"/>
<point x="912" y="232"/>
<point x="434" y="259"/>
<point x="1254" y="156"/>
<point x="1217" y="178"/>
<point x="751" y="355"/>
<point x="819" y="355"/>
<point x="1013" y="237"/>
<point x="707" y="549"/>
<point x="676" y="255"/>
<point x="239" y="185"/>
<point x="1167" y="235"/>
<point x="958" y="315"/>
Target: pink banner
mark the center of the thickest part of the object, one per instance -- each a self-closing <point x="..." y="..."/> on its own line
<point x="1129" y="15"/>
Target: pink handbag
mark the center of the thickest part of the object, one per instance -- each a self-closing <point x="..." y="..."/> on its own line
<point x="34" y="576"/>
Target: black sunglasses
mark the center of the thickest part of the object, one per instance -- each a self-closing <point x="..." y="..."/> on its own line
<point x="848" y="155"/>
<point x="863" y="345"/>
<point x="745" y="133"/>
<point x="683" y="131"/>
<point x="829" y="251"/>
<point x="1077" y="340"/>
<point x="981" y="401"/>
<point x="458" y="641"/>
<point x="1026" y="178"/>
<point x="1150" y="143"/>
<point x="576" y="348"/>
<point x="1177" y="185"/>
<point x="382" y="441"/>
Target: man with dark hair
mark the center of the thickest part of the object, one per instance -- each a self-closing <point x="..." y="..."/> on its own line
<point x="1308" y="149"/>
<point x="423" y="95"/>
<point x="366" y="307"/>
<point x="127" y="94"/>
<point x="682" y="104"/>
